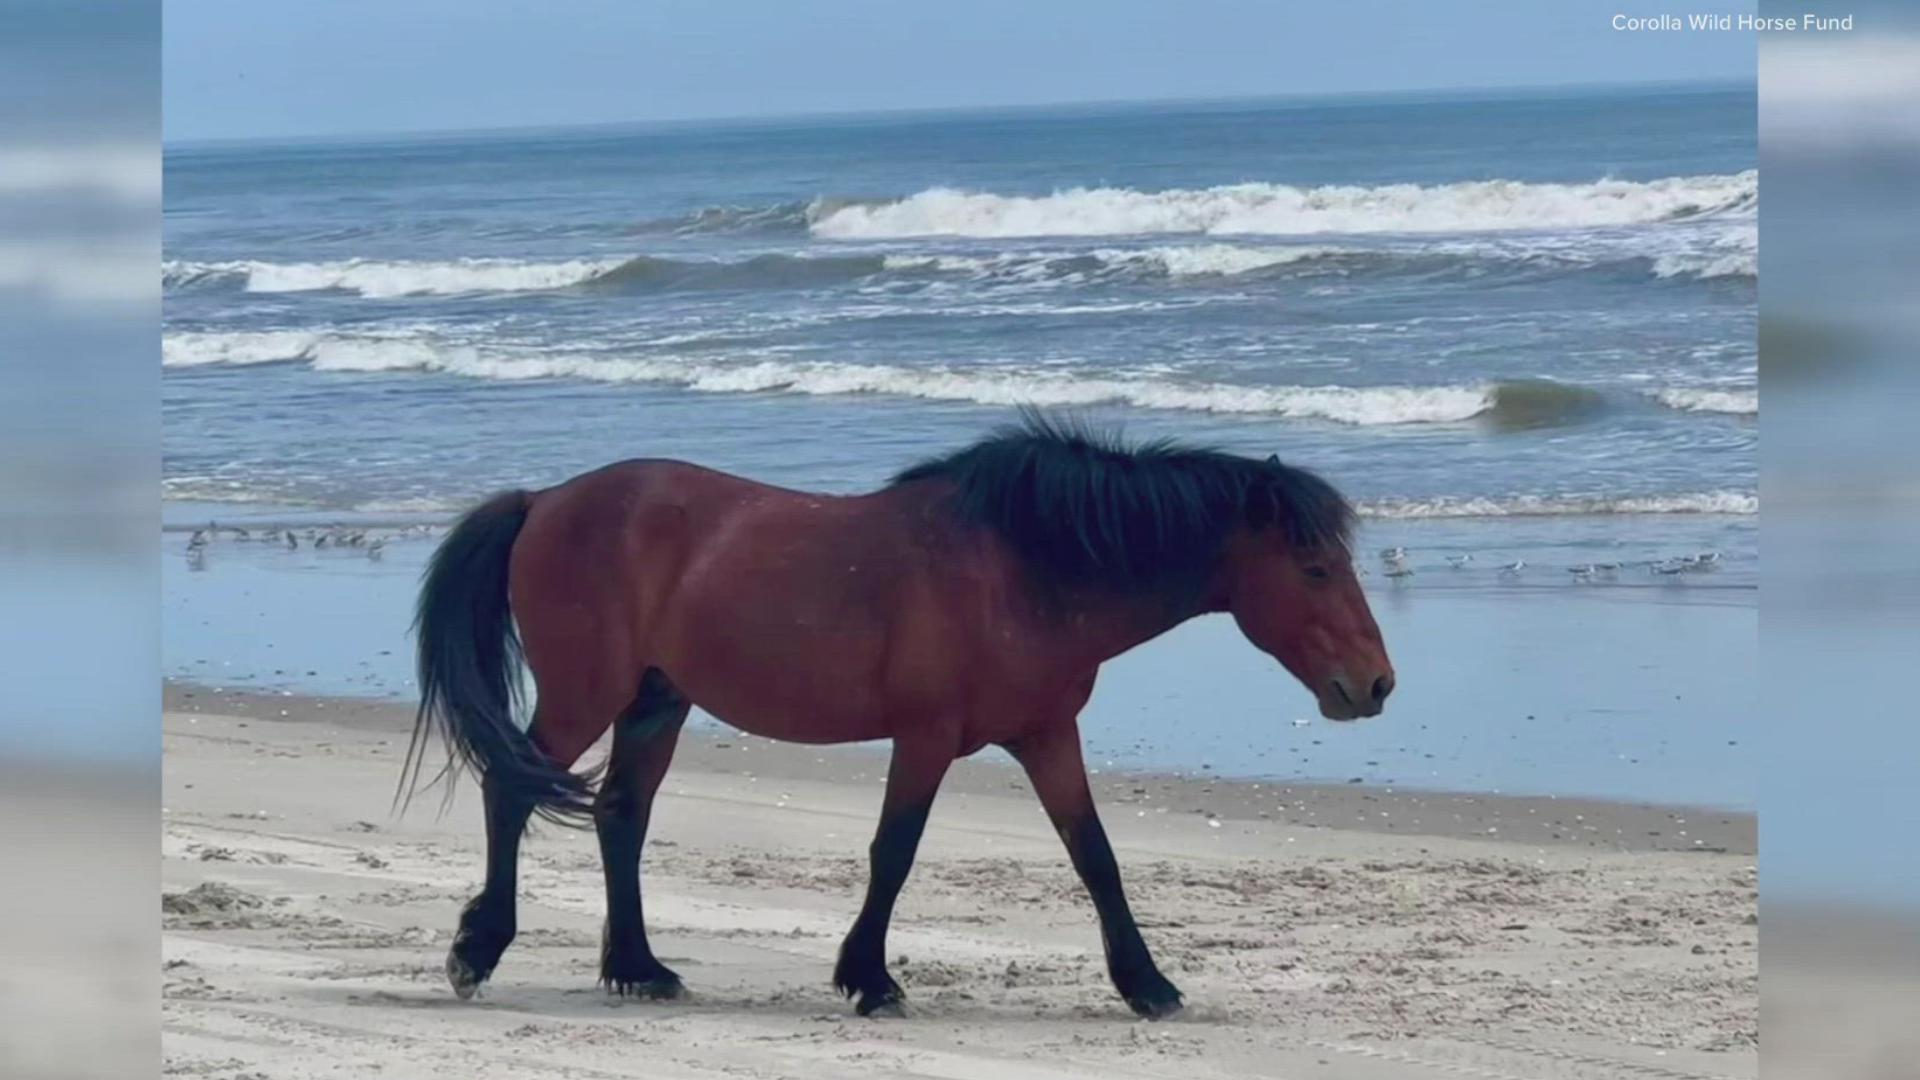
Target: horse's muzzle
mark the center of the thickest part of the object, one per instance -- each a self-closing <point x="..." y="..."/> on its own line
<point x="1344" y="699"/>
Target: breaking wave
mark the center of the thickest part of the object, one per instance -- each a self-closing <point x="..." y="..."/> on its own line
<point x="1708" y="264"/>
<point x="1196" y="260"/>
<point x="236" y="348"/>
<point x="1505" y="405"/>
<point x="377" y="279"/>
<point x="790" y="218"/>
<point x="1699" y="399"/>
<point x="1280" y="209"/>
<point x="773" y="271"/>
<point x="1700" y="502"/>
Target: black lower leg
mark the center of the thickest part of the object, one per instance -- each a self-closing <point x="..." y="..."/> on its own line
<point x="1134" y="973"/>
<point x="643" y="743"/>
<point x="862" y="970"/>
<point x="487" y="923"/>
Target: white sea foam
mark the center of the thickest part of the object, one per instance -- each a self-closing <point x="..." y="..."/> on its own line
<point x="1699" y="502"/>
<point x="1729" y="252"/>
<point x="190" y="349"/>
<point x="1708" y="264"/>
<point x="1195" y="260"/>
<point x="1706" y="399"/>
<point x="1366" y="406"/>
<point x="1735" y="503"/>
<point x="1224" y="260"/>
<point x="404" y="350"/>
<point x="1279" y="209"/>
<point x="377" y="279"/>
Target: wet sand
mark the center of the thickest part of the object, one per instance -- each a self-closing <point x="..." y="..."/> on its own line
<point x="1339" y="930"/>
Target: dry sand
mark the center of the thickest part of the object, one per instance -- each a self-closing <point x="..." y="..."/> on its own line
<point x="1331" y="931"/>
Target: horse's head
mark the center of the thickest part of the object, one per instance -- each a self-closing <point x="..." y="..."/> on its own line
<point x="1304" y="607"/>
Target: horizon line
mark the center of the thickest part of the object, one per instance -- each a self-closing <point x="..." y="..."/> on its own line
<point x="728" y="119"/>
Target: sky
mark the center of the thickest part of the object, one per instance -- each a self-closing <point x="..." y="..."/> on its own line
<point x="254" y="69"/>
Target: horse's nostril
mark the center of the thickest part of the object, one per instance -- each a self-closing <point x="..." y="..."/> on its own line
<point x="1340" y="687"/>
<point x="1382" y="686"/>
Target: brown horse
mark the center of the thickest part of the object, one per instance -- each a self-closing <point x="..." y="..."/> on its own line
<point x="969" y="602"/>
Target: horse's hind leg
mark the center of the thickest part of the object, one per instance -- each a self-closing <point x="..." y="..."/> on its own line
<point x="562" y="728"/>
<point x="643" y="741"/>
<point x="487" y="923"/>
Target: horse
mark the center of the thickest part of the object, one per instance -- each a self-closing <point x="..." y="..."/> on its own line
<point x="969" y="602"/>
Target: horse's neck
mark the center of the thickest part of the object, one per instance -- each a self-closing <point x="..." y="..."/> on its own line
<point x="1100" y="628"/>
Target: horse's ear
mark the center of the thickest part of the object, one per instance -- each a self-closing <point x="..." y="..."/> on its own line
<point x="1273" y="459"/>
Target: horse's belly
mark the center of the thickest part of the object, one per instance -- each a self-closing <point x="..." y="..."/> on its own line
<point x="781" y="713"/>
<point x="803" y="688"/>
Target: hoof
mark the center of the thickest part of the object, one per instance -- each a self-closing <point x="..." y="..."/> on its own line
<point x="887" y="1001"/>
<point x="466" y="981"/>
<point x="665" y="986"/>
<point x="1155" y="998"/>
<point x="874" y="991"/>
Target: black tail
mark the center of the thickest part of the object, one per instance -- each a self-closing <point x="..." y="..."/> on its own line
<point x="470" y="669"/>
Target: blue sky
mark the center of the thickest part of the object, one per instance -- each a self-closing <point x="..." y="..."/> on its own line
<point x="243" y="68"/>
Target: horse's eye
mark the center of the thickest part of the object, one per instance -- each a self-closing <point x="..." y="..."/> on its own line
<point x="1318" y="573"/>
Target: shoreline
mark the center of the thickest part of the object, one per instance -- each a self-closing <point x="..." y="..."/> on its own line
<point x="1625" y="826"/>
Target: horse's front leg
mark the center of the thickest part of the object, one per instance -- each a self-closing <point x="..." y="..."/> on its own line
<point x="1053" y="763"/>
<point x="487" y="923"/>
<point x="913" y="778"/>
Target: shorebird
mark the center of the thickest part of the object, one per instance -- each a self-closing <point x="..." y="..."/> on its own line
<point x="1459" y="562"/>
<point x="1583" y="572"/>
<point x="198" y="540"/>
<point x="1514" y="567"/>
<point x="1399" y="570"/>
<point x="1393" y="554"/>
<point x="374" y="549"/>
<point x="293" y="542"/>
<point x="1667" y="566"/>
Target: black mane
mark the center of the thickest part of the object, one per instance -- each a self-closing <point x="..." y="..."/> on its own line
<point x="1082" y="507"/>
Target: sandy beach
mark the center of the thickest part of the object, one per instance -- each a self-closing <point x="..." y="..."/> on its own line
<point x="1318" y="931"/>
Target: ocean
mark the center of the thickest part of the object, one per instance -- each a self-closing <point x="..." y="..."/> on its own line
<point x="1515" y="327"/>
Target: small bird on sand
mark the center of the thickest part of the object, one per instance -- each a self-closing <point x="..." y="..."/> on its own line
<point x="378" y="545"/>
<point x="1459" y="562"/>
<point x="1399" y="570"/>
<point x="1393" y="554"/>
<point x="1514" y="567"/>
<point x="293" y="542"/>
